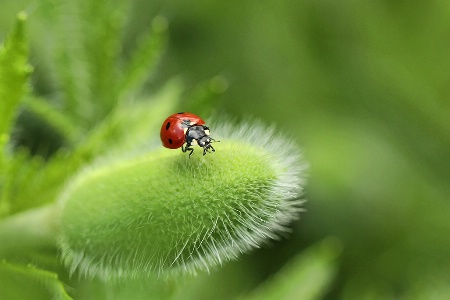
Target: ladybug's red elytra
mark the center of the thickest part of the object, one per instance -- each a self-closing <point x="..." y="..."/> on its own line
<point x="184" y="127"/>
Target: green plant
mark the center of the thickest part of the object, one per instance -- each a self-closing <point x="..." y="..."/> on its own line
<point x="115" y="205"/>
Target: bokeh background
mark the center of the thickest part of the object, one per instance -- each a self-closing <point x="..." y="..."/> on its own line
<point x="363" y="87"/>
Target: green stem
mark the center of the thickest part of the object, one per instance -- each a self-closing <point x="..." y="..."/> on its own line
<point x="34" y="228"/>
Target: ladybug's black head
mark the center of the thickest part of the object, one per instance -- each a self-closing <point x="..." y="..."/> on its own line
<point x="199" y="134"/>
<point x="205" y="141"/>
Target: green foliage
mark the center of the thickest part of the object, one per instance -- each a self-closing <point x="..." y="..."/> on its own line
<point x="307" y="276"/>
<point x="362" y="84"/>
<point x="139" y="211"/>
<point x="30" y="181"/>
<point x="144" y="57"/>
<point x="14" y="71"/>
<point x="28" y="282"/>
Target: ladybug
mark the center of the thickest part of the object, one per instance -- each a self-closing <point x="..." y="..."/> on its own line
<point x="186" y="128"/>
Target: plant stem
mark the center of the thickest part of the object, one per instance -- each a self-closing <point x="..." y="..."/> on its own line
<point x="34" y="228"/>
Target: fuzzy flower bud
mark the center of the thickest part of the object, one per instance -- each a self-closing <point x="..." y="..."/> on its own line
<point x="163" y="212"/>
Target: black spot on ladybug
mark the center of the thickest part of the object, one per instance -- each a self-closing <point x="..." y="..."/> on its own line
<point x="167" y="125"/>
<point x="170" y="141"/>
<point x="181" y="113"/>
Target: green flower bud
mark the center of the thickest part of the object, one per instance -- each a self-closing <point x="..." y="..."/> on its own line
<point x="163" y="212"/>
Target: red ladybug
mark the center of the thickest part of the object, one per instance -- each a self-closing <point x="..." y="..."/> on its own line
<point x="184" y="127"/>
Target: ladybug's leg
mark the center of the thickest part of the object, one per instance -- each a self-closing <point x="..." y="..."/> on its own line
<point x="210" y="146"/>
<point x="206" y="149"/>
<point x="191" y="149"/>
<point x="189" y="141"/>
<point x="187" y="148"/>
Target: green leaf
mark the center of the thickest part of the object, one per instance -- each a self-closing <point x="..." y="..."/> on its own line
<point x="28" y="282"/>
<point x="87" y="46"/>
<point x="68" y="58"/>
<point x="143" y="60"/>
<point x="102" y="47"/>
<point x="163" y="212"/>
<point x="14" y="72"/>
<point x="307" y="276"/>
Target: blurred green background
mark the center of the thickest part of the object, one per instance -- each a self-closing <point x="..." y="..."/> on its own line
<point x="363" y="86"/>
